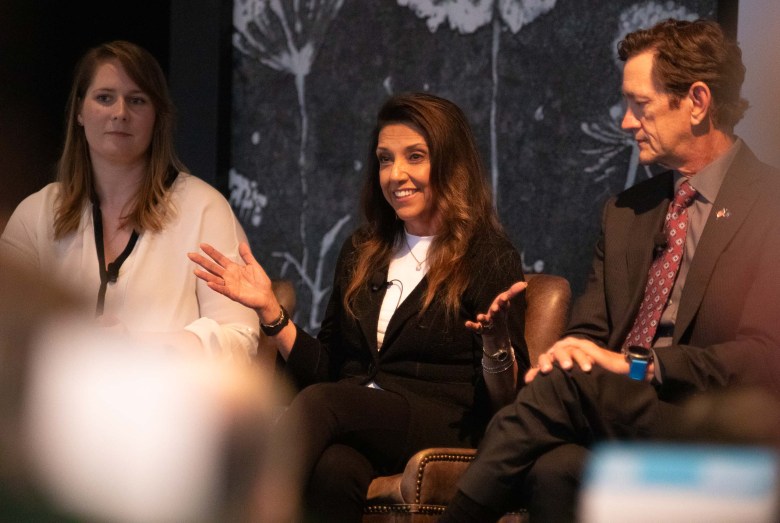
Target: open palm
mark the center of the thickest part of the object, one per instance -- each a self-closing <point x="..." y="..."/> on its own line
<point x="492" y="324"/>
<point x="247" y="284"/>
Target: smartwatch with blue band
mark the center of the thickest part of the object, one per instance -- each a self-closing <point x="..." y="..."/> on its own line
<point x="638" y="358"/>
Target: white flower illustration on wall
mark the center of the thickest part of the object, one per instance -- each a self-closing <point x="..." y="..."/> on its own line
<point x="607" y="131"/>
<point x="466" y="16"/>
<point x="285" y="36"/>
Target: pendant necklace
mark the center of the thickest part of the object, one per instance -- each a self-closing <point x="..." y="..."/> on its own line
<point x="419" y="262"/>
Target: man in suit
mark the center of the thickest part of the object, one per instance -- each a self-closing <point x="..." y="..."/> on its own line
<point x="683" y="297"/>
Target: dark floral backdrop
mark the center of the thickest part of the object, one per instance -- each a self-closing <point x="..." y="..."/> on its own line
<point x="539" y="80"/>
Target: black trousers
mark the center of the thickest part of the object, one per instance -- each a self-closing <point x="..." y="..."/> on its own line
<point x="534" y="448"/>
<point x="347" y="435"/>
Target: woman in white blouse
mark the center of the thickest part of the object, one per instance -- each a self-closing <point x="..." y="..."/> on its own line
<point x="117" y="223"/>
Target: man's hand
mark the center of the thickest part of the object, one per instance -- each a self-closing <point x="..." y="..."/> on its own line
<point x="584" y="353"/>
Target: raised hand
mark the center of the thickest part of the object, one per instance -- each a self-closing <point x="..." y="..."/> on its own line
<point x="492" y="324"/>
<point x="247" y="284"/>
<point x="500" y="374"/>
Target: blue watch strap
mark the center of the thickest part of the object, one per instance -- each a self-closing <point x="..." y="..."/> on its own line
<point x="637" y="369"/>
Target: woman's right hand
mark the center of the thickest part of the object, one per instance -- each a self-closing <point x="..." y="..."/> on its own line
<point x="247" y="284"/>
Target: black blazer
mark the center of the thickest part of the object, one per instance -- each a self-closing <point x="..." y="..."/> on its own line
<point x="433" y="363"/>
<point x="727" y="330"/>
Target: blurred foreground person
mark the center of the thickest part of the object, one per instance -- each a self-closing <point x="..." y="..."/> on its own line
<point x="95" y="426"/>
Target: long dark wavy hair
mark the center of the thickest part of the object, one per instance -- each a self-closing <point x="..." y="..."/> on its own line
<point x="149" y="208"/>
<point x="461" y="199"/>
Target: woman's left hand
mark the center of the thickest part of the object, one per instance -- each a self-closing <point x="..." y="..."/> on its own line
<point x="492" y="324"/>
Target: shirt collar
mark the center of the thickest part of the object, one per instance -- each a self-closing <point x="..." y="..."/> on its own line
<point x="707" y="181"/>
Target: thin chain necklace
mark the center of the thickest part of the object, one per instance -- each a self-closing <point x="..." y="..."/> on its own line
<point x="419" y="262"/>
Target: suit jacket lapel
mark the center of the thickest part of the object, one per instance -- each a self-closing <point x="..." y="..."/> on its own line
<point x="736" y="196"/>
<point x="408" y="309"/>
<point x="367" y="305"/>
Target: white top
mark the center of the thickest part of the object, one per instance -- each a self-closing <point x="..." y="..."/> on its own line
<point x="403" y="276"/>
<point x="156" y="290"/>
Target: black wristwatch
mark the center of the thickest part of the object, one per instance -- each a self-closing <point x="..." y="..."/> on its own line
<point x="276" y="327"/>
<point x="639" y="358"/>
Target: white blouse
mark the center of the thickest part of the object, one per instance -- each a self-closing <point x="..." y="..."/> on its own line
<point x="407" y="269"/>
<point x="156" y="290"/>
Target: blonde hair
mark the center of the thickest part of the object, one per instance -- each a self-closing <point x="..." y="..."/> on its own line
<point x="149" y="207"/>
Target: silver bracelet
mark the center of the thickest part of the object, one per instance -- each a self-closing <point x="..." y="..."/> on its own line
<point x="499" y="369"/>
<point x="502" y="353"/>
<point x="503" y="365"/>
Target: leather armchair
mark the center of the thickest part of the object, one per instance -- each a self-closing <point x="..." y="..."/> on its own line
<point x="421" y="492"/>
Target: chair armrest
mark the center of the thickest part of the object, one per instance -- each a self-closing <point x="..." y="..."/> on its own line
<point x="430" y="478"/>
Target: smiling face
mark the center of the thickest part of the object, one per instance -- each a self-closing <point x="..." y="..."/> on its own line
<point x="404" y="175"/>
<point x="662" y="132"/>
<point x="117" y="116"/>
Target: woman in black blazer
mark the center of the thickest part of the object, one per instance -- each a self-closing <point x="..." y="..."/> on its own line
<point x="399" y="364"/>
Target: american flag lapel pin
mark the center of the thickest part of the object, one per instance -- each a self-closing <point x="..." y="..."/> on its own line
<point x="722" y="213"/>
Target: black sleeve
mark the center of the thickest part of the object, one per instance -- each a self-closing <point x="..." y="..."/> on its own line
<point x="313" y="359"/>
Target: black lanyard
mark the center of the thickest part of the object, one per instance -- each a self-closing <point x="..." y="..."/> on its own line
<point x="110" y="273"/>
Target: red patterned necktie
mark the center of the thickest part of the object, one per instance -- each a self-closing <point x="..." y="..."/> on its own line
<point x="663" y="270"/>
